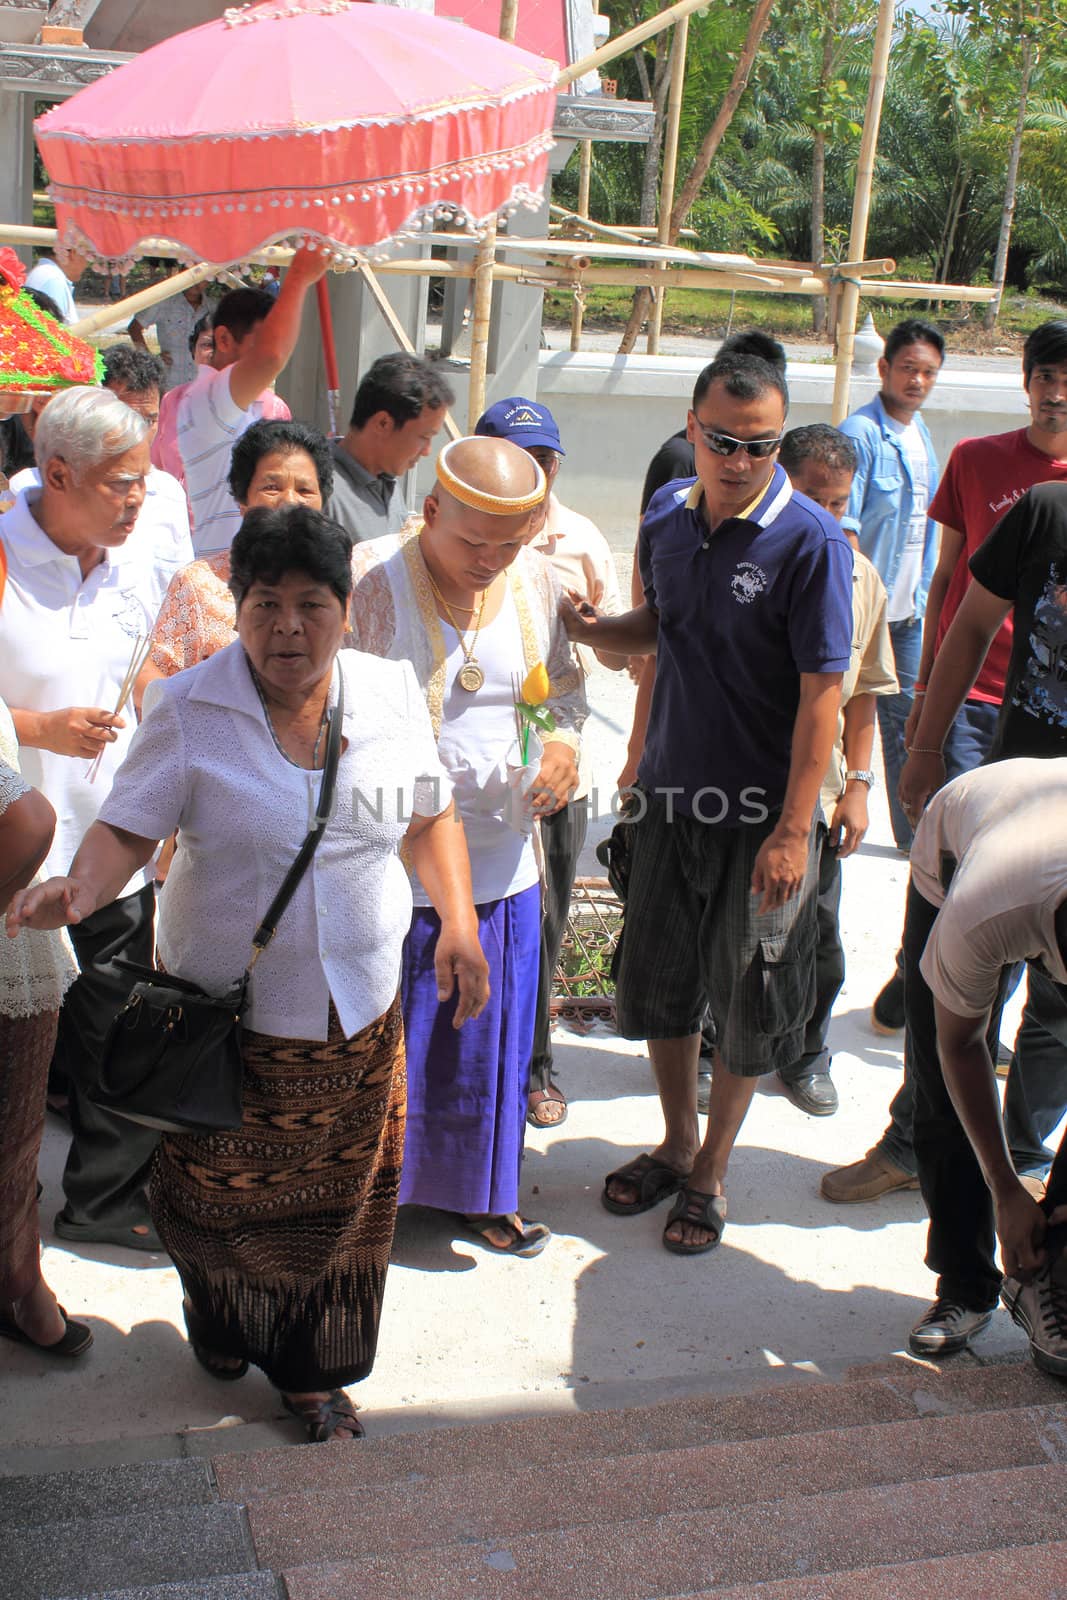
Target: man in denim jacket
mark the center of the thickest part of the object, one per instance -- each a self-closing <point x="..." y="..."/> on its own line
<point x="893" y="486"/>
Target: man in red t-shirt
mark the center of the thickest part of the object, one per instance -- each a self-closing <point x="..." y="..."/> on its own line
<point x="983" y="479"/>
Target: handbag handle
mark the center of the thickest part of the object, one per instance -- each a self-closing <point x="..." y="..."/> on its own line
<point x="269" y="926"/>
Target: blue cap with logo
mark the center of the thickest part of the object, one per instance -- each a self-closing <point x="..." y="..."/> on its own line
<point x="524" y="422"/>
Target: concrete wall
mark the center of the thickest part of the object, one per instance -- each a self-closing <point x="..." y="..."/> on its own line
<point x="614" y="412"/>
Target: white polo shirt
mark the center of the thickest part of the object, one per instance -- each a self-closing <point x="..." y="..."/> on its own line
<point x="66" y="640"/>
<point x="48" y="276"/>
<point x="209" y="425"/>
<point x="204" y="761"/>
<point x="161" y="532"/>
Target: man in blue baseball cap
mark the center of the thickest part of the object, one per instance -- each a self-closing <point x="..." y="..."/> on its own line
<point x="582" y="559"/>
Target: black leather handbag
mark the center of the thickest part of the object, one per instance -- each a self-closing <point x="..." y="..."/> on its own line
<point x="172" y="1056"/>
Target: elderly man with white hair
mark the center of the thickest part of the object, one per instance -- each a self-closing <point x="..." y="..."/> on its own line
<point x="77" y="598"/>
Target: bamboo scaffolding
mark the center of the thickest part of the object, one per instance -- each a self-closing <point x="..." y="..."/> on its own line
<point x="861" y="208"/>
<point x="679" y="47"/>
<point x="485" y="257"/>
<point x="628" y="41"/>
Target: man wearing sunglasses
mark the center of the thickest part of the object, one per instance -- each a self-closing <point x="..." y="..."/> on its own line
<point x="748" y="606"/>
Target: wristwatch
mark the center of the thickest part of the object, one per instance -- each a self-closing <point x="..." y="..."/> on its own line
<point x="868" y="777"/>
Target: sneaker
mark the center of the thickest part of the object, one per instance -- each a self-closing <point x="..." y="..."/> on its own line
<point x="1040" y="1309"/>
<point x="868" y="1179"/>
<point x="946" y="1328"/>
<point x="887" y="1013"/>
<point x="813" y="1093"/>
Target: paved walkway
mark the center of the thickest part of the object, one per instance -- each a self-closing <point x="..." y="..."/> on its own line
<point x="605" y="1315"/>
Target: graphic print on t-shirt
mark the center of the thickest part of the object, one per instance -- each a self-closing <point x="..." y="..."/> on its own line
<point x="1042" y="687"/>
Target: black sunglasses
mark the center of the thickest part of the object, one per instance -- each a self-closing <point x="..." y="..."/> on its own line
<point x="724" y="444"/>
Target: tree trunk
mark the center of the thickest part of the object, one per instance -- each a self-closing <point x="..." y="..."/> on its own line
<point x="642" y="299"/>
<point x="757" y="27"/>
<point x="963" y="183"/>
<point x="1000" y="264"/>
<point x="818" y="220"/>
<point x="818" y="170"/>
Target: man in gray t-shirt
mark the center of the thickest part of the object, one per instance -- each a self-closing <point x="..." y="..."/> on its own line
<point x="400" y="406"/>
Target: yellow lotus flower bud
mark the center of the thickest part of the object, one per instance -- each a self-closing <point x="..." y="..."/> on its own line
<point x="536" y="687"/>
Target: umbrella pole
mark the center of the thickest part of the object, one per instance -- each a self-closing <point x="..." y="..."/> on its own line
<point x="861" y="206"/>
<point x="484" y="260"/>
<point x="329" y="356"/>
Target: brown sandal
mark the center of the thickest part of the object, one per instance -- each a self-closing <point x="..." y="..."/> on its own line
<point x="332" y="1418"/>
<point x="537" y="1103"/>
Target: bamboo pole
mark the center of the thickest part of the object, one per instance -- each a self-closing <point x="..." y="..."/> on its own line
<point x="124" y="310"/>
<point x="585" y="170"/>
<point x="861" y="208"/>
<point x="627" y="41"/>
<point x="670" y="166"/>
<point x="484" y="260"/>
<point x="396" y="327"/>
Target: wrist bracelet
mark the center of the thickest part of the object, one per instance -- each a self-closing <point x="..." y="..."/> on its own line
<point x="918" y="688"/>
<point x="925" y="750"/>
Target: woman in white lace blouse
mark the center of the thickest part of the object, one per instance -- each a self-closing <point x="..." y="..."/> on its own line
<point x="36" y="969"/>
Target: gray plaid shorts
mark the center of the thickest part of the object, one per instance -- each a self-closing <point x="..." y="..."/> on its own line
<point x="693" y="936"/>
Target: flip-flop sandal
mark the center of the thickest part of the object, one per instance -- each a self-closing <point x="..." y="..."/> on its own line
<point x="324" y="1419"/>
<point x="702" y="1211"/>
<point x="209" y="1360"/>
<point x="538" y="1100"/>
<point x="652" y="1179"/>
<point x="75" y="1341"/>
<point x="108" y="1233"/>
<point x="527" y="1241"/>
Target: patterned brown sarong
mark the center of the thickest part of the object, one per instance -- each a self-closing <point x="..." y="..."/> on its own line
<point x="25" y="1052"/>
<point x="281" y="1230"/>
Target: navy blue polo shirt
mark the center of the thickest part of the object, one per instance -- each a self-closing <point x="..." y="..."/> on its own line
<point x="743" y="611"/>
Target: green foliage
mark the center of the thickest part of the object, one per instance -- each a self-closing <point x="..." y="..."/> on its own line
<point x="951" y="103"/>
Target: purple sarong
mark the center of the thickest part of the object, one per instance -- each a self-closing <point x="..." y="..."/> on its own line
<point x="467" y="1088"/>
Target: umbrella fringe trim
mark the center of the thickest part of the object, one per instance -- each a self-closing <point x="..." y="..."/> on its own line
<point x="452" y="108"/>
<point x="341" y="255"/>
<point x="197" y="205"/>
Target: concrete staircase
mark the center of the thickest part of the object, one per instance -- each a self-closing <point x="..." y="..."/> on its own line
<point x="909" y="1483"/>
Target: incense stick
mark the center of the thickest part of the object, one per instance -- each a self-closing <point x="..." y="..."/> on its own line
<point x="142" y="645"/>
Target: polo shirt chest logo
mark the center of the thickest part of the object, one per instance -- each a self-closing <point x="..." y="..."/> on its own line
<point x="747" y="582"/>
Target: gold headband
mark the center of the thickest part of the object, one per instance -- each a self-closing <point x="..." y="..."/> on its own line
<point x="496" y="505"/>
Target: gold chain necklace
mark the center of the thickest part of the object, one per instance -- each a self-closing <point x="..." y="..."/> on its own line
<point x="470" y="675"/>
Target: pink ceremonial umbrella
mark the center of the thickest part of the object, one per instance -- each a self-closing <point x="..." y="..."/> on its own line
<point x="335" y="120"/>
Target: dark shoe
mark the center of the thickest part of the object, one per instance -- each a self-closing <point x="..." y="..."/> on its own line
<point x="214" y="1363"/>
<point x="75" y="1341"/>
<point x="868" y="1179"/>
<point x="946" y="1328"/>
<point x="1040" y="1309"/>
<point x="332" y="1418"/>
<point x="121" y="1233"/>
<point x="652" y="1179"/>
<point x="707" y="1211"/>
<point x="813" y="1093"/>
<point x="887" y="1013"/>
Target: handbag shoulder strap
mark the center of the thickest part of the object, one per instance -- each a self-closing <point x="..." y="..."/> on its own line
<point x="324" y="805"/>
